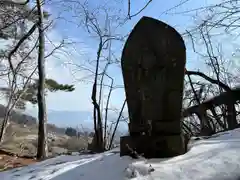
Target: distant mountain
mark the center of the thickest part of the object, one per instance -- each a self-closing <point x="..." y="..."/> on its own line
<point x="81" y="119"/>
<point x="59" y="120"/>
<point x="17" y="116"/>
<point x="78" y="119"/>
<point x="67" y="118"/>
<point x="71" y="118"/>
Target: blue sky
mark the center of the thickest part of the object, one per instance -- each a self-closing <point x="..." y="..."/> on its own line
<point x="87" y="47"/>
<point x="80" y="99"/>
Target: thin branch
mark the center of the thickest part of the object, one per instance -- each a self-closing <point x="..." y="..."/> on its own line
<point x="137" y="13"/>
<point x="116" y="126"/>
<point x="26" y="36"/>
<point x="55" y="49"/>
<point x="18" y="19"/>
<point x="174" y="7"/>
<point x="213" y="81"/>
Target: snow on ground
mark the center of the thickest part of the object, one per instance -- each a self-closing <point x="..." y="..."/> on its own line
<point x="214" y="158"/>
<point x="50" y="168"/>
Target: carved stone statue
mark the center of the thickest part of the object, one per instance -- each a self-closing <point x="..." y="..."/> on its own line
<point x="153" y="63"/>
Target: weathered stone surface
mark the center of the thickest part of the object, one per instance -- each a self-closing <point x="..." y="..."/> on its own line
<point x="153" y="146"/>
<point x="153" y="62"/>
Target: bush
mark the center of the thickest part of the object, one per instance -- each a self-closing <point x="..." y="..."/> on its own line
<point x="57" y="150"/>
<point x="71" y="132"/>
<point x="74" y="144"/>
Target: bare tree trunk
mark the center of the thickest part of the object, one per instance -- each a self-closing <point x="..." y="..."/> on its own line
<point x="42" y="150"/>
<point x="13" y="82"/>
<point x="8" y="107"/>
<point x="101" y="88"/>
<point x="5" y="121"/>
<point x="98" y="137"/>
<point x="231" y="114"/>
<point x="218" y="119"/>
<point x="205" y="126"/>
<point x="11" y="104"/>
<point x="213" y="81"/>
<point x="115" y="128"/>
<point x="106" y="112"/>
<point x="231" y="117"/>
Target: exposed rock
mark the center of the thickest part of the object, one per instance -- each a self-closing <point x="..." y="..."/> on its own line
<point x="58" y="150"/>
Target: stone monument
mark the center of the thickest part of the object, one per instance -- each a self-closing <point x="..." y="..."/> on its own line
<point x="153" y="63"/>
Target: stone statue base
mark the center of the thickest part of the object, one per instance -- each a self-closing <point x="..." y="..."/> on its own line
<point x="152" y="146"/>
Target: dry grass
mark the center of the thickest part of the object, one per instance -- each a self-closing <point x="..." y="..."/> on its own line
<point x="22" y="140"/>
<point x="16" y="140"/>
<point x="9" y="162"/>
<point x="74" y="144"/>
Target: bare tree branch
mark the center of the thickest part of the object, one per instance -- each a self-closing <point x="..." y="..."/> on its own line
<point x="213" y="81"/>
<point x="26" y="36"/>
<point x="137" y="13"/>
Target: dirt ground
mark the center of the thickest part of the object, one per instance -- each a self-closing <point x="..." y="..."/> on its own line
<point x="10" y="161"/>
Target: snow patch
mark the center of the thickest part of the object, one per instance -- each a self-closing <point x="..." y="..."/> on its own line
<point x="138" y="169"/>
<point x="209" y="158"/>
<point x="53" y="168"/>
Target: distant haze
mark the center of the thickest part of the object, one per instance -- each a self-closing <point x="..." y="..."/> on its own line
<point x="75" y="119"/>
